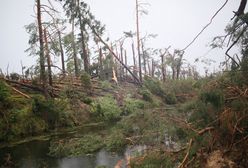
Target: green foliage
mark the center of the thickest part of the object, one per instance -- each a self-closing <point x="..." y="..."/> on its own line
<point x="86" y="81"/>
<point x="200" y="113"/>
<point x="73" y="96"/>
<point x="105" y="85"/>
<point x="153" y="160"/>
<point x="146" y="94"/>
<point x="214" y="97"/>
<point x="106" y="109"/>
<point x="4" y="92"/>
<point x="115" y="141"/>
<point x="76" y="146"/>
<point x="155" y="87"/>
<point x="54" y="112"/>
<point x="132" y="105"/>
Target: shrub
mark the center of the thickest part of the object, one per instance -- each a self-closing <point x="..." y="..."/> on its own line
<point x="116" y="141"/>
<point x="76" y="146"/>
<point x="146" y="95"/>
<point x="54" y="112"/>
<point x="214" y="97"/>
<point x="4" y="92"/>
<point x="106" y="109"/>
<point x="154" y="86"/>
<point x="132" y="105"/>
<point x="86" y="82"/>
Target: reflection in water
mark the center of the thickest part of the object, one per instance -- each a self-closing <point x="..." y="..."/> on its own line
<point x="34" y="155"/>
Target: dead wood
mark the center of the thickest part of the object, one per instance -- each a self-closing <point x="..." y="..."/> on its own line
<point x="182" y="165"/>
<point x="21" y="93"/>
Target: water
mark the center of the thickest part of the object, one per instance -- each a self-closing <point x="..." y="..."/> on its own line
<point x="34" y="155"/>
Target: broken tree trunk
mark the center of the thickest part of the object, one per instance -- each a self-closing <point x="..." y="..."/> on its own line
<point x="19" y="92"/>
<point x="61" y="53"/>
<point x="116" y="57"/>
<point x="126" y="62"/>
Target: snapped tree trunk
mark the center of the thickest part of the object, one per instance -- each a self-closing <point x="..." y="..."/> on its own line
<point x="61" y="53"/>
<point x="116" y="57"/>
<point x="121" y="57"/>
<point x="126" y="63"/>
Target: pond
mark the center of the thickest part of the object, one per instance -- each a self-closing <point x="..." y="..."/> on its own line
<point x="34" y="155"/>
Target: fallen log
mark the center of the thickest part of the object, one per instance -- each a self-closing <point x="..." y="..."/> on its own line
<point x="35" y="88"/>
<point x="21" y="93"/>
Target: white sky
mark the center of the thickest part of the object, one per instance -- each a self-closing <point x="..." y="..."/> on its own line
<point x="175" y="21"/>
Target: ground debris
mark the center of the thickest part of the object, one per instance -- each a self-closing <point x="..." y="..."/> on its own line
<point x="217" y="160"/>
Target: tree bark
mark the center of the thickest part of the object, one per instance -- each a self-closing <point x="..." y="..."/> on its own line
<point x="121" y="57"/>
<point x="61" y="53"/>
<point x="143" y="54"/>
<point x="163" y="68"/>
<point x="138" y="39"/>
<point x="241" y="8"/>
<point x="84" y="54"/>
<point x="42" y="59"/>
<point x="126" y="63"/>
<point x="153" y="68"/>
<point x="134" y="61"/>
<point x="74" y="50"/>
<point x="50" y="80"/>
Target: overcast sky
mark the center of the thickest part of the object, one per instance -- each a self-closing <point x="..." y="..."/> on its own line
<point x="175" y="21"/>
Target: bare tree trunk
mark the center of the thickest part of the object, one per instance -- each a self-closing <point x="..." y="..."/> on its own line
<point x="47" y="54"/>
<point x="84" y="54"/>
<point x="153" y="68"/>
<point x="42" y="59"/>
<point x="126" y="63"/>
<point x="149" y="67"/>
<point x="143" y="54"/>
<point x="100" y="59"/>
<point x="22" y="70"/>
<point x="61" y="53"/>
<point x="121" y="57"/>
<point x="74" y="50"/>
<point x="138" y="39"/>
<point x="162" y="67"/>
<point x="134" y="61"/>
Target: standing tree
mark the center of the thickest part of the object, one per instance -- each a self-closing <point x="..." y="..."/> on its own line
<point x="42" y="55"/>
<point x="79" y="14"/>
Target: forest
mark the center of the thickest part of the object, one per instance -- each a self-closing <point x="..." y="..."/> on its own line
<point x="94" y="102"/>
